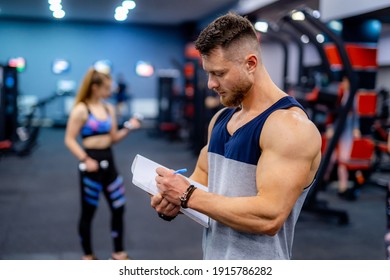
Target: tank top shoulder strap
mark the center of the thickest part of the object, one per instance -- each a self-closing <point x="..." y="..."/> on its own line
<point x="106" y="108"/>
<point x="284" y="103"/>
<point x="226" y="114"/>
<point x="86" y="105"/>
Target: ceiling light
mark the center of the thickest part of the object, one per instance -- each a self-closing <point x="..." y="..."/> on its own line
<point x="59" y="14"/>
<point x="320" y="38"/>
<point x="54" y="2"/>
<point x="55" y="7"/>
<point x="305" y="39"/>
<point x="316" y="14"/>
<point x="261" y="26"/>
<point x="121" y="10"/>
<point x="298" y="15"/>
<point x="120" y="17"/>
<point x="336" y="25"/>
<point x="128" y="4"/>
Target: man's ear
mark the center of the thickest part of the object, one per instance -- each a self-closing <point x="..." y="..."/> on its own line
<point x="251" y="62"/>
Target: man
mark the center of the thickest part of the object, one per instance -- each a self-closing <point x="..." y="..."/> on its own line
<point x="261" y="157"/>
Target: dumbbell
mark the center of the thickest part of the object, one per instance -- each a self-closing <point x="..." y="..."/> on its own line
<point x="137" y="116"/>
<point x="103" y="165"/>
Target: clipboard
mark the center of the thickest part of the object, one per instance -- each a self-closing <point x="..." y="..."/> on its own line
<point x="144" y="174"/>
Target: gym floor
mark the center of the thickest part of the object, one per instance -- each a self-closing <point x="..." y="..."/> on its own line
<point x="39" y="208"/>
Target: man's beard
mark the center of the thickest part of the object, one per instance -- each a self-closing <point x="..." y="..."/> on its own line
<point x="235" y="97"/>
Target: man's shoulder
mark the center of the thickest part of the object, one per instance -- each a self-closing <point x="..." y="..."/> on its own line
<point x="289" y="117"/>
<point x="291" y="127"/>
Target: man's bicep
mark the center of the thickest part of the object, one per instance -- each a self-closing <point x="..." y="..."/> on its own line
<point x="281" y="178"/>
<point x="278" y="169"/>
<point x="290" y="152"/>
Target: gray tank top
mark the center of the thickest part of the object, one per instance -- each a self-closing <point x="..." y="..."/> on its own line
<point x="232" y="163"/>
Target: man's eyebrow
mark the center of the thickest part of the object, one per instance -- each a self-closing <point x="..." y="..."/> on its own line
<point x="213" y="71"/>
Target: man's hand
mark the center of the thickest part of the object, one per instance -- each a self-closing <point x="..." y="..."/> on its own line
<point x="171" y="186"/>
<point x="163" y="206"/>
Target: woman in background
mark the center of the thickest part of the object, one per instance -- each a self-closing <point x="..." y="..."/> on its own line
<point x="344" y="147"/>
<point x="95" y="121"/>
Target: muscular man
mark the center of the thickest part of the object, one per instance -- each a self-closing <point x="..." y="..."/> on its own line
<point x="261" y="157"/>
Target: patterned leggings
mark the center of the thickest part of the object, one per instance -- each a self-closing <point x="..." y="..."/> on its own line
<point x="106" y="180"/>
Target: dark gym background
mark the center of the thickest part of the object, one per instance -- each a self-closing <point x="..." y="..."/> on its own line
<point x="39" y="210"/>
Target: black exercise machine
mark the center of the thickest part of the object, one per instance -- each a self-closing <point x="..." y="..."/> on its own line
<point x="272" y="34"/>
<point x="312" y="204"/>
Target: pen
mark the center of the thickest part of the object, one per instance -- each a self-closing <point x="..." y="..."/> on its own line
<point x="180" y="171"/>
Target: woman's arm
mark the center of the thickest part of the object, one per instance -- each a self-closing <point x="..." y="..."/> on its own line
<point x="118" y="135"/>
<point x="76" y="120"/>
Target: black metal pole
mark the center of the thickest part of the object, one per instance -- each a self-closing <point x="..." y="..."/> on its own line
<point x="304" y="30"/>
<point x="283" y="43"/>
<point x="351" y="75"/>
<point x="298" y="42"/>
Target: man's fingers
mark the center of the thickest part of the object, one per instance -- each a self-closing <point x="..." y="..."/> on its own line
<point x="164" y="206"/>
<point x="174" y="211"/>
<point x="156" y="200"/>
<point x="161" y="171"/>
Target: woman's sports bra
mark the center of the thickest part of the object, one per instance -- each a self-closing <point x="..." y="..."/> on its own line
<point x="94" y="126"/>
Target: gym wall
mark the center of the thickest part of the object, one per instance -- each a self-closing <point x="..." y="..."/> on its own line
<point x="40" y="42"/>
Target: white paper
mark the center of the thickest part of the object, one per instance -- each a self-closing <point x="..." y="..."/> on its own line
<point x="144" y="174"/>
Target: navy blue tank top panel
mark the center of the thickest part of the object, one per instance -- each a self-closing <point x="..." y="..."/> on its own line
<point x="94" y="126"/>
<point x="244" y="145"/>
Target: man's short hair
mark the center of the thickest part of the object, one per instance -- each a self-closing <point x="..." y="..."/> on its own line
<point x="223" y="31"/>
